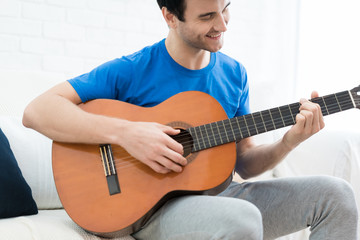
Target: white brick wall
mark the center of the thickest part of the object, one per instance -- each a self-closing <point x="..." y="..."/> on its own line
<point x="73" y="36"/>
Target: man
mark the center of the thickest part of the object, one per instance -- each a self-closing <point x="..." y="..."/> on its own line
<point x="188" y="59"/>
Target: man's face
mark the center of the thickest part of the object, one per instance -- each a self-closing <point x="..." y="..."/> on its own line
<point x="205" y="24"/>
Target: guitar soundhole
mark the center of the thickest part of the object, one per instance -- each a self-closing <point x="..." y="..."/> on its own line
<point x="185" y="139"/>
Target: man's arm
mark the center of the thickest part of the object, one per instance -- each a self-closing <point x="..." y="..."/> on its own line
<point x="253" y="160"/>
<point x="55" y="114"/>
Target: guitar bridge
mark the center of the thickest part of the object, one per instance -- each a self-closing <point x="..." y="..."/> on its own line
<point x="109" y="169"/>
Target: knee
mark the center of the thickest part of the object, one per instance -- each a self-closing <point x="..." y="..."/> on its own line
<point x="340" y="195"/>
<point x="244" y="222"/>
<point x="253" y="226"/>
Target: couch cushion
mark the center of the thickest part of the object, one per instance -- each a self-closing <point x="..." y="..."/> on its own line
<point x="33" y="153"/>
<point x="15" y="193"/>
<point x="47" y="225"/>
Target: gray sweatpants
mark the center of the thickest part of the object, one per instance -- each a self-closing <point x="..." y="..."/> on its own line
<point x="260" y="210"/>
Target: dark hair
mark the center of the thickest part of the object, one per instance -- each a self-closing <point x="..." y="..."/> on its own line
<point x="177" y="7"/>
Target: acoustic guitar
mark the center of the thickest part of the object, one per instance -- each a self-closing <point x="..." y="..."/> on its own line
<point x="109" y="193"/>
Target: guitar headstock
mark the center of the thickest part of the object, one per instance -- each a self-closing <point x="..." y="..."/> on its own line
<point x="355" y="92"/>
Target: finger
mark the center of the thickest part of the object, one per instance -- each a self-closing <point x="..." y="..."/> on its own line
<point x="309" y="118"/>
<point x="170" y="130"/>
<point x="170" y="165"/>
<point x="314" y="94"/>
<point x="300" y="121"/>
<point x="171" y="143"/>
<point x="158" y="167"/>
<point x="175" y="157"/>
<point x="317" y="118"/>
<point x="175" y="146"/>
<point x="302" y="101"/>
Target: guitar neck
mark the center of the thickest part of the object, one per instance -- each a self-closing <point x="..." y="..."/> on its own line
<point x="235" y="129"/>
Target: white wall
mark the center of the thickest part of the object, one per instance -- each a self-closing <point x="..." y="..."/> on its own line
<point x="263" y="36"/>
<point x="329" y="49"/>
<point x="329" y="53"/>
<point x="71" y="37"/>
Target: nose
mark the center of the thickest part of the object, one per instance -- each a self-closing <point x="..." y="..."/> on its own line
<point x="221" y="23"/>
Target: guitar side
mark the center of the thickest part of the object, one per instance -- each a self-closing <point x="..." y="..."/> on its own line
<point x="83" y="188"/>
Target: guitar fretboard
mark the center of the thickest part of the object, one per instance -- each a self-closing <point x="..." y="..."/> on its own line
<point x="235" y="129"/>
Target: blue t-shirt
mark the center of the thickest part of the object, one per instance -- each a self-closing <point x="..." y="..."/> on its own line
<point x="150" y="76"/>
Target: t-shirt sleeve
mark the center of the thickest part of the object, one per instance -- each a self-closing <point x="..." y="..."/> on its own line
<point x="244" y="103"/>
<point x="104" y="81"/>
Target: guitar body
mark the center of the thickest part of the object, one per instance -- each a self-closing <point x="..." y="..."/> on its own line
<point x="82" y="185"/>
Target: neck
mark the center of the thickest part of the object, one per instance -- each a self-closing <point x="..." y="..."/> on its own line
<point x="185" y="55"/>
<point x="235" y="129"/>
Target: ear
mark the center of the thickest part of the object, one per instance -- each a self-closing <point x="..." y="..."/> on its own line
<point x="169" y="17"/>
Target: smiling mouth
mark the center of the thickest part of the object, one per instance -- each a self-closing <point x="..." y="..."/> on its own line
<point x="214" y="36"/>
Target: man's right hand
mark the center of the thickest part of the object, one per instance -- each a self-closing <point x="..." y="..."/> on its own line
<point x="151" y="144"/>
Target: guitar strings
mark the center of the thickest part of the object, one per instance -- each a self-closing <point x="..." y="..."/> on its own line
<point x="128" y="163"/>
<point x="330" y="108"/>
<point x="251" y="127"/>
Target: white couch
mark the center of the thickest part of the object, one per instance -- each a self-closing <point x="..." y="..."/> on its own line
<point x="330" y="152"/>
<point x="33" y="154"/>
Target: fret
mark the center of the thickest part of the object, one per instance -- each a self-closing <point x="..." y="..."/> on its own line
<point x="331" y="104"/>
<point x="338" y="102"/>
<point x="230" y="136"/>
<point x="251" y="125"/>
<point x="281" y="116"/>
<point x="222" y="130"/>
<point x="321" y="102"/>
<point x="243" y="127"/>
<point x="240" y="136"/>
<point x="199" y="138"/>
<point x="272" y="119"/>
<point x="259" y="122"/>
<point x="203" y="136"/>
<point x="227" y="137"/>
<point x="221" y="139"/>
<point x="292" y="115"/>
<point x="252" y="115"/>
<point x="268" y="122"/>
<point x="235" y="128"/>
<point x="247" y="127"/>
<point x="207" y="141"/>
<point x="295" y="109"/>
<point x="324" y="105"/>
<point x="352" y="95"/>
<point x="232" y="130"/>
<point x="262" y="119"/>
<point x="213" y="134"/>
<point x="345" y="100"/>
<point x="195" y="138"/>
<point x="275" y="113"/>
<point x="286" y="115"/>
